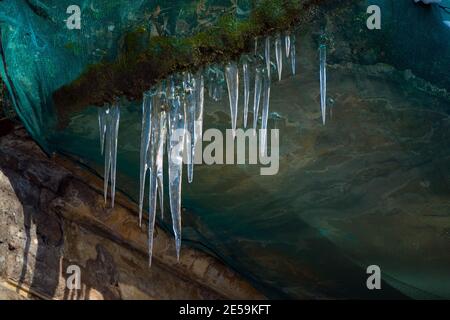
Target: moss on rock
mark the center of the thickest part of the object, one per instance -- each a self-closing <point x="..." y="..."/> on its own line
<point x="143" y="61"/>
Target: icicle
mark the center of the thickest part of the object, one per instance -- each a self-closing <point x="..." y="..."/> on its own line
<point x="265" y="115"/>
<point x="102" y="128"/>
<point x="200" y="100"/>
<point x="279" y="56"/>
<point x="293" y="55"/>
<point x="232" y="77"/>
<point x="155" y="162"/>
<point x="246" y="91"/>
<point x="160" y="159"/>
<point x="153" y="186"/>
<point x="115" y="114"/>
<point x="191" y="100"/>
<point x="287" y="44"/>
<point x="177" y="120"/>
<point x="145" y="141"/>
<point x="107" y="152"/>
<point x="111" y="117"/>
<point x="267" y="55"/>
<point x="323" y="81"/>
<point x="257" y="96"/>
<point x="164" y="102"/>
<point x="256" y="46"/>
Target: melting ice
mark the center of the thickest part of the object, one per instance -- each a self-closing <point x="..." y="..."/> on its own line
<point x="293" y="55"/>
<point x="265" y="115"/>
<point x="190" y="99"/>
<point x="257" y="96"/>
<point x="109" y="117"/>
<point x="246" y="75"/>
<point x="323" y="81"/>
<point x="287" y="44"/>
<point x="177" y="127"/>
<point x="267" y="55"/>
<point x="279" y="56"/>
<point x="145" y="141"/>
<point x="155" y="162"/>
<point x="232" y="77"/>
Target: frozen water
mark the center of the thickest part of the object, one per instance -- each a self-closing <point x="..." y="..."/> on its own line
<point x="232" y="77"/>
<point x="323" y="81"/>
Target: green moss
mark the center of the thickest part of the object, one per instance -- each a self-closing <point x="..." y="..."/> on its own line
<point x="142" y="62"/>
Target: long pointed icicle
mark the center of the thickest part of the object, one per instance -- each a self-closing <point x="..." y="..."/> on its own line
<point x="287" y="44"/>
<point x="102" y="128"/>
<point x="153" y="186"/>
<point x="246" y="75"/>
<point x="155" y="162"/>
<point x="267" y="55"/>
<point x="165" y="91"/>
<point x="257" y="96"/>
<point x="200" y="101"/>
<point x="265" y="115"/>
<point x="111" y="119"/>
<point x="160" y="159"/>
<point x="232" y="77"/>
<point x="145" y="141"/>
<point x="323" y="81"/>
<point x="293" y="55"/>
<point x="279" y="56"/>
<point x="177" y="120"/>
<point x="107" y="152"/>
<point x="114" y="137"/>
<point x="191" y="101"/>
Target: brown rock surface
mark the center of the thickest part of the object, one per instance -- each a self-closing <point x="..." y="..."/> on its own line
<point x="52" y="216"/>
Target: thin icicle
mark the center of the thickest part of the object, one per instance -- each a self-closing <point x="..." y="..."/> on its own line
<point x="200" y="101"/>
<point x="164" y="102"/>
<point x="191" y="101"/>
<point x="114" y="137"/>
<point x="160" y="159"/>
<point x="232" y="77"/>
<point x="145" y="141"/>
<point x="287" y="44"/>
<point x="107" y="152"/>
<point x="256" y="46"/>
<point x="293" y="55"/>
<point x="176" y="142"/>
<point x="279" y="56"/>
<point x="323" y="81"/>
<point x="155" y="162"/>
<point x="153" y="186"/>
<point x="267" y="55"/>
<point x="257" y="96"/>
<point x="265" y="115"/>
<point x="111" y="118"/>
<point x="102" y="128"/>
<point x="246" y="91"/>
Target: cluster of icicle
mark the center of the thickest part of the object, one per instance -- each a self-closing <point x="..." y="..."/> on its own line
<point x="172" y="118"/>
